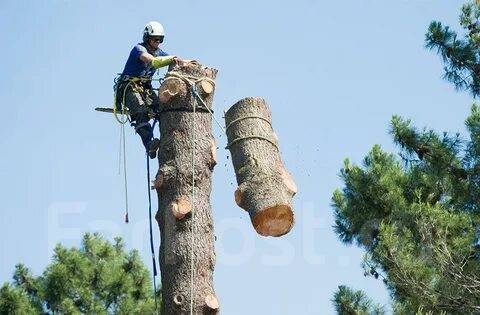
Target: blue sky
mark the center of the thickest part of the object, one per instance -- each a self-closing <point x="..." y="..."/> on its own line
<point x="333" y="72"/>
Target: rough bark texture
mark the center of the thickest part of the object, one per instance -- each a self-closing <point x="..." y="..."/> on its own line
<point x="265" y="188"/>
<point x="174" y="188"/>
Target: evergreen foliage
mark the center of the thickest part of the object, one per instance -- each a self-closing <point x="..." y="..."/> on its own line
<point x="350" y="302"/>
<point x="97" y="278"/>
<point x="417" y="217"/>
<point x="460" y="52"/>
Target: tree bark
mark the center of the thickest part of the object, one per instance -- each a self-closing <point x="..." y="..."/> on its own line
<point x="265" y="188"/>
<point x="178" y="215"/>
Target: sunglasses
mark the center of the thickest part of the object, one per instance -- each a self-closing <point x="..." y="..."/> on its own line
<point x="157" y="39"/>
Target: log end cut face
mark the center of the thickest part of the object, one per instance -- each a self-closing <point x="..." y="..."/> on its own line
<point x="274" y="221"/>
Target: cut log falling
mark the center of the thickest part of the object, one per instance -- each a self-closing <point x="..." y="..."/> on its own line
<point x="265" y="188"/>
<point x="178" y="215"/>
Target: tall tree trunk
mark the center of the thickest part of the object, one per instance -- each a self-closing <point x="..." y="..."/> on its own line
<point x="186" y="225"/>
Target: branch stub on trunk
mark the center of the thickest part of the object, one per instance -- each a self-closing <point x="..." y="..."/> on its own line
<point x="212" y="302"/>
<point x="181" y="207"/>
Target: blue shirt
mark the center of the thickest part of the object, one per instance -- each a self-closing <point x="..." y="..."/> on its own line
<point x="135" y="67"/>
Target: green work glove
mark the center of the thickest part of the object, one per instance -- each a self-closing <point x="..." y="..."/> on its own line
<point x="159" y="62"/>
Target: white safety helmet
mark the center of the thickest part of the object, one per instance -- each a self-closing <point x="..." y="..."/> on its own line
<point x="153" y="28"/>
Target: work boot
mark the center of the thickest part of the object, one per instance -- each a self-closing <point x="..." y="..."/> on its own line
<point x="153" y="147"/>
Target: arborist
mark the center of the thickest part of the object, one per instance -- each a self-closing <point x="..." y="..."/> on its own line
<point x="134" y="86"/>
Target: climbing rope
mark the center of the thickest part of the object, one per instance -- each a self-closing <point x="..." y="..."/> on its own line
<point x="192" y="269"/>
<point x="125" y="171"/>
<point x="272" y="142"/>
<point x="231" y="143"/>
<point x="248" y="117"/>
<point x="120" y="152"/>
<point x="152" y="250"/>
<point x="122" y="121"/>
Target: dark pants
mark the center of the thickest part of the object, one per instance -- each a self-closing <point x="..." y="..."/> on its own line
<point x="141" y="101"/>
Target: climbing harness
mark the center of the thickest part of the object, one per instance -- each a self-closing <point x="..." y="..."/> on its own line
<point x="138" y="85"/>
<point x="122" y="117"/>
